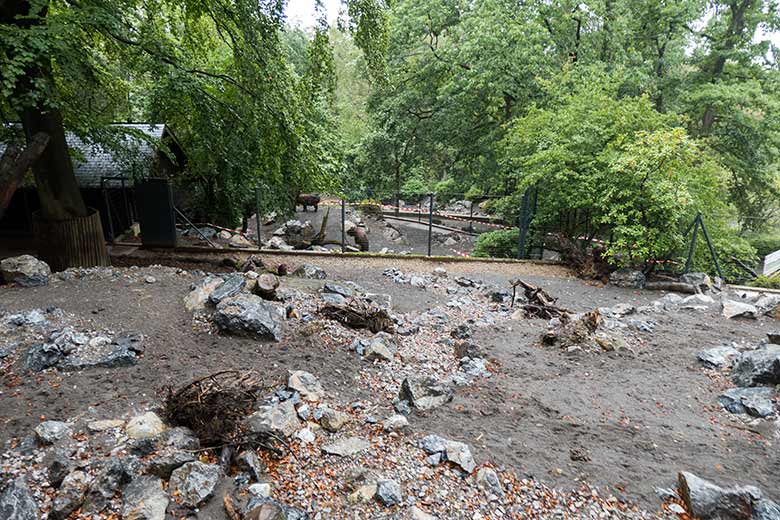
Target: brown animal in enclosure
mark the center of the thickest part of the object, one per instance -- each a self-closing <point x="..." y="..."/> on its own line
<point x="361" y="237"/>
<point x="308" y="199"/>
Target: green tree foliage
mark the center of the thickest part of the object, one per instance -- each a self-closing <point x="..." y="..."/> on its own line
<point x="665" y="102"/>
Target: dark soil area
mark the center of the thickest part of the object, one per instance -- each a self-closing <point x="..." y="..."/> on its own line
<point x="625" y="420"/>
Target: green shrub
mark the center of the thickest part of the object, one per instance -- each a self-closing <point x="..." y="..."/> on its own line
<point x="765" y="243"/>
<point x="767" y="282"/>
<point x="497" y="244"/>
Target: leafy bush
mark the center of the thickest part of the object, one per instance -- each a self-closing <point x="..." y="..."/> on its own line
<point x="765" y="243"/>
<point x="768" y="282"/>
<point x="497" y="244"/>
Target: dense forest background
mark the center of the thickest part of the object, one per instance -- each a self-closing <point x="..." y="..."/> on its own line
<point x="634" y="115"/>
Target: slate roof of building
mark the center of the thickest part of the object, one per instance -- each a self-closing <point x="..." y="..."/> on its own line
<point x="93" y="161"/>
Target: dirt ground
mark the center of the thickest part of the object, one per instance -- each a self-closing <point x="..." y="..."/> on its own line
<point x="639" y="417"/>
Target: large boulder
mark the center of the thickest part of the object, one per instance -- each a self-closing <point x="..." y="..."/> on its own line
<point x="250" y="315"/>
<point x="145" y="426"/>
<point x="706" y="501"/>
<point x="629" y="278"/>
<point x="424" y="393"/>
<point x="16" y="503"/>
<point x="718" y="357"/>
<point x="25" y="270"/>
<point x="735" y="309"/>
<point x="755" y="401"/>
<point x="295" y="233"/>
<point x="195" y="482"/>
<point x="144" y="499"/>
<point x="758" y="367"/>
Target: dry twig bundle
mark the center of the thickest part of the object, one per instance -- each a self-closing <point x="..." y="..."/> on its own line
<point x="359" y="313"/>
<point x="214" y="407"/>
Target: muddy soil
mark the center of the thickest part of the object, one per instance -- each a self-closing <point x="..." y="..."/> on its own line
<point x="628" y="421"/>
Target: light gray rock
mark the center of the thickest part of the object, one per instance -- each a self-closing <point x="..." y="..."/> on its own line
<point x="734" y="309"/>
<point x="333" y="298"/>
<point x="346" y="447"/>
<point x="460" y="454"/>
<point x="260" y="490"/>
<point x="705" y="500"/>
<point x="381" y="347"/>
<point x="279" y="419"/>
<point x="144" y="499"/>
<point x="333" y="420"/>
<point x="389" y="492"/>
<point x="248" y="314"/>
<point x="306" y="384"/>
<point x="49" y="432"/>
<point x="310" y="271"/>
<point x="194" y="483"/>
<point x="16" y="503"/>
<point x="395" y="423"/>
<point x="180" y="438"/>
<point x="121" y="352"/>
<point x="415" y="513"/>
<point x="432" y="444"/>
<point x="232" y="286"/>
<point x="333" y="288"/>
<point x="199" y="295"/>
<point x="755" y="401"/>
<point x="25" y="270"/>
<point x="70" y="496"/>
<point x="248" y="462"/>
<point x="144" y="426"/>
<point x="700" y="280"/>
<point x="424" y="393"/>
<point x="104" y="424"/>
<point x="718" y="357"/>
<point x="757" y="367"/>
<point x="168" y="460"/>
<point x="112" y="477"/>
<point x="240" y="242"/>
<point x="487" y="480"/>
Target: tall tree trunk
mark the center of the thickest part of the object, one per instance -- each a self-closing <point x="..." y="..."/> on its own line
<point x="58" y="190"/>
<point x="14" y="163"/>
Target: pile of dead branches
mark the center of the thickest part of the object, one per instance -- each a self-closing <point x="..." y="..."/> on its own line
<point x="538" y="304"/>
<point x="588" y="263"/>
<point x="214" y="407"/>
<point x="360" y="313"/>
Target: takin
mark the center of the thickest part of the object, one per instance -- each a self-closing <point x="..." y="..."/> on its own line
<point x="361" y="237"/>
<point x="308" y="199"/>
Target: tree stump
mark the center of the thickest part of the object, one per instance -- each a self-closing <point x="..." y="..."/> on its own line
<point x="75" y="242"/>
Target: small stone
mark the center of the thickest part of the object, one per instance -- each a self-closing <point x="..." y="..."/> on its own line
<point x="260" y="490"/>
<point x="487" y="479"/>
<point x="49" y="432"/>
<point x="424" y="393"/>
<point x="306" y="384"/>
<point x="145" y="426"/>
<point x="194" y="483"/>
<point x="310" y="271"/>
<point x="418" y="514"/>
<point x="460" y="454"/>
<point x="196" y="299"/>
<point x="106" y="424"/>
<point x="150" y="279"/>
<point x="248" y="462"/>
<point x="232" y="286"/>
<point x="362" y="494"/>
<point x="240" y="242"/>
<point x="333" y="420"/>
<point x="346" y="447"/>
<point x="395" y="423"/>
<point x="333" y="288"/>
<point x="306" y="436"/>
<point x="433" y="444"/>
<point x="279" y="419"/>
<point x="70" y="496"/>
<point x="389" y="492"/>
